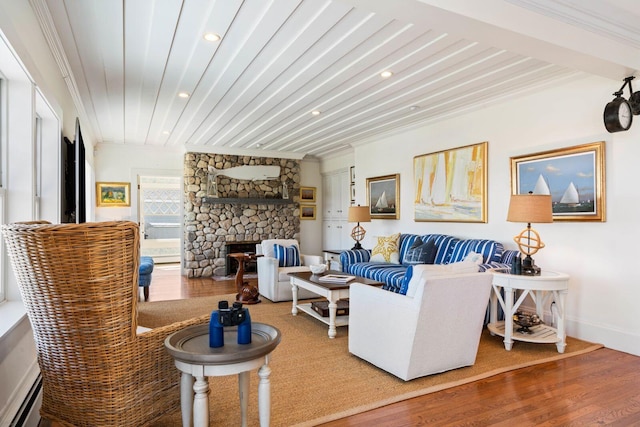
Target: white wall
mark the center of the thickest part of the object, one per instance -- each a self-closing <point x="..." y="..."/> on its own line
<point x="311" y="230"/>
<point x="119" y="163"/>
<point x="604" y="290"/>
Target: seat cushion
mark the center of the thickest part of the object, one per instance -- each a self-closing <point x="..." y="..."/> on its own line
<point x="287" y="256"/>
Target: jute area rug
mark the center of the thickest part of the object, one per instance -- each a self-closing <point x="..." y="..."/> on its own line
<point x="315" y="379"/>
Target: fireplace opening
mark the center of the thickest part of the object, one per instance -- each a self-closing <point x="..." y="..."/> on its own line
<point x="241" y="247"/>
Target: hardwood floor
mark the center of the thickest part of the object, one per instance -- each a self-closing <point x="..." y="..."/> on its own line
<point x="597" y="388"/>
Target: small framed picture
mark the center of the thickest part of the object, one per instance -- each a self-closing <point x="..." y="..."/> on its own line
<point x="113" y="194"/>
<point x="352" y="174"/>
<point x="383" y="196"/>
<point x="353" y="193"/>
<point x="307" y="194"/>
<point x="307" y="212"/>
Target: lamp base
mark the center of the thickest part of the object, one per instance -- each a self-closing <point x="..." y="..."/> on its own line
<point x="529" y="268"/>
<point x="357" y="246"/>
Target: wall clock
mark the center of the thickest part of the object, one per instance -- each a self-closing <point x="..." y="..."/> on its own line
<point x="617" y="115"/>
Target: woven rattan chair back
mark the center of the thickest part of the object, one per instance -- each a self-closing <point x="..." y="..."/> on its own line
<point x="79" y="283"/>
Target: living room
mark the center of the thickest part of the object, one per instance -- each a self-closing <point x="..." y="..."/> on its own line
<point x="602" y="292"/>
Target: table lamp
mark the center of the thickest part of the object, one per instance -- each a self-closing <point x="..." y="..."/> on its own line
<point x="358" y="214"/>
<point x="530" y="208"/>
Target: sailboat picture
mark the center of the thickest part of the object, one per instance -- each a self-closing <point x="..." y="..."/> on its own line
<point x="574" y="177"/>
<point x="450" y="185"/>
<point x="383" y="196"/>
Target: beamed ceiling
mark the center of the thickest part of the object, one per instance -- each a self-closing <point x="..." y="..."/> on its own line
<point x="277" y="61"/>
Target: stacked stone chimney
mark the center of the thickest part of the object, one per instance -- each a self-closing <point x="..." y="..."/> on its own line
<point x="243" y="211"/>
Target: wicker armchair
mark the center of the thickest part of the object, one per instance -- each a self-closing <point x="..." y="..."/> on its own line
<point x="79" y="283"/>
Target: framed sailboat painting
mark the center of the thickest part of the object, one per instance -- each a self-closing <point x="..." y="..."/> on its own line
<point x="383" y="197"/>
<point x="451" y="185"/>
<point x="573" y="176"/>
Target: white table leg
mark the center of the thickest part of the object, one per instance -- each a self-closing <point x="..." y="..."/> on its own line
<point x="333" y="309"/>
<point x="264" y="394"/>
<point x="201" y="402"/>
<point x="508" y="318"/>
<point x="493" y="306"/>
<point x="562" y="335"/>
<point x="186" y="399"/>
<point x="294" y="293"/>
<point x="243" y="386"/>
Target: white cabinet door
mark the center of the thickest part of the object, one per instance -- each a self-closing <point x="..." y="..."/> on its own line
<point x="336" y="197"/>
<point x="336" y="200"/>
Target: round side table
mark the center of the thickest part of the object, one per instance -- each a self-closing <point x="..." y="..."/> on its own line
<point x="194" y="358"/>
<point x="550" y="286"/>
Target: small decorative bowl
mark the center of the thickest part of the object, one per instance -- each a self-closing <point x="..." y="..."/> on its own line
<point x="317" y="268"/>
<point x="526" y="321"/>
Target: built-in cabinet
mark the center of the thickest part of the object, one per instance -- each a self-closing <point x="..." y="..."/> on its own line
<point x="335" y="201"/>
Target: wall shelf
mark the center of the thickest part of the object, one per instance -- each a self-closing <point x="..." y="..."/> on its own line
<point x="246" y="201"/>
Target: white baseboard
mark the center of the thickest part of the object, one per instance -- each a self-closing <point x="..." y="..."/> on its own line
<point x="17" y="398"/>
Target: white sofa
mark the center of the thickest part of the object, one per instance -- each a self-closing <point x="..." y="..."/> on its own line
<point x="273" y="281"/>
<point x="436" y="330"/>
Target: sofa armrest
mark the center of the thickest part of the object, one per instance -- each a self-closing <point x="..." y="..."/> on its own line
<point x="311" y="259"/>
<point x="353" y="256"/>
<point x="267" y="269"/>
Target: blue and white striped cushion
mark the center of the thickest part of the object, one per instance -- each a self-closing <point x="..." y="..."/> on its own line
<point x="287" y="256"/>
<point x="444" y="243"/>
<point x="490" y="249"/>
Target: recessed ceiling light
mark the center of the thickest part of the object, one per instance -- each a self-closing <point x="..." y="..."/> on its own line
<point x="258" y="145"/>
<point x="413" y="108"/>
<point x="212" y="37"/>
<point x="166" y="132"/>
<point x="315" y="112"/>
<point x="183" y="95"/>
<point x="386" y="74"/>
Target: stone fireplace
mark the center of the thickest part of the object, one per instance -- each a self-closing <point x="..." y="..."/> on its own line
<point x="241" y="210"/>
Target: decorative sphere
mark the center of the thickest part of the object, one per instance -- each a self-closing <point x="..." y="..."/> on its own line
<point x="358" y="233"/>
<point x="529" y="241"/>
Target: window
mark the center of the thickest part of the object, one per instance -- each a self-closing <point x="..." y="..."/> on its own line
<point x="37" y="168"/>
<point x="3" y="144"/>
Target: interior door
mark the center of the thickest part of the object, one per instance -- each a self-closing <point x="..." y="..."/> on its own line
<point x="160" y="217"/>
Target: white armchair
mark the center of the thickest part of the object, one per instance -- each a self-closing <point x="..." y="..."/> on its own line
<point x="435" y="331"/>
<point x="273" y="281"/>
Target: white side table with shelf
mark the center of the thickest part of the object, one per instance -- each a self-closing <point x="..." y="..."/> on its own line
<point x="549" y="287"/>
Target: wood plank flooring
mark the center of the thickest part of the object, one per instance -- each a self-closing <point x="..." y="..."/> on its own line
<point x="597" y="388"/>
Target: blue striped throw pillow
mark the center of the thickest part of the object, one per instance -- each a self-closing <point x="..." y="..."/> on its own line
<point x="287" y="256"/>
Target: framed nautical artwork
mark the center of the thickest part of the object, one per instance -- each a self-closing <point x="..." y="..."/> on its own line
<point x="573" y="176"/>
<point x="383" y="197"/>
<point x="451" y="185"/>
